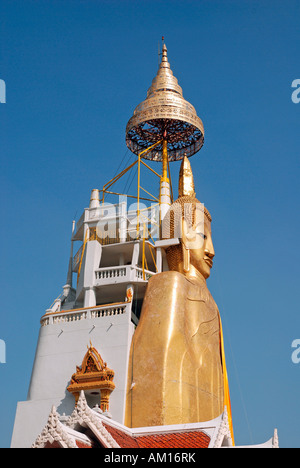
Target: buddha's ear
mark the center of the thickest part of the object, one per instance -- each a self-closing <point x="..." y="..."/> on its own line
<point x="192" y="236"/>
<point x="187" y="233"/>
<point x="185" y="246"/>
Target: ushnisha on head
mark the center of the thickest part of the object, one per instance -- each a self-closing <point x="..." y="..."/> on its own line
<point x="190" y="221"/>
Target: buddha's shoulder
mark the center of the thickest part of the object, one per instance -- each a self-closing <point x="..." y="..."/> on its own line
<point x="167" y="285"/>
<point x="198" y="291"/>
<point x="174" y="277"/>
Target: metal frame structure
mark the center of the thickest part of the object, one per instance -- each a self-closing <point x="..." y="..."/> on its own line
<point x="166" y="175"/>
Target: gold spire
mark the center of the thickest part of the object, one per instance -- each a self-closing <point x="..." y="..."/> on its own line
<point x="164" y="80"/>
<point x="165" y="115"/>
<point x="186" y="186"/>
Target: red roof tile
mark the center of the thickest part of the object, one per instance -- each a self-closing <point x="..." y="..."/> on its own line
<point x="193" y="439"/>
<point x="122" y="439"/>
<point x="82" y="445"/>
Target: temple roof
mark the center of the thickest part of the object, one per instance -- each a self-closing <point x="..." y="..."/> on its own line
<point x="181" y="439"/>
<point x="89" y="428"/>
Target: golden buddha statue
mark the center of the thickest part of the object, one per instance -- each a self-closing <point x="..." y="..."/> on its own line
<point x="176" y="368"/>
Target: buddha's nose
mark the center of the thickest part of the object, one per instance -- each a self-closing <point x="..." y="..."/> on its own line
<point x="209" y="248"/>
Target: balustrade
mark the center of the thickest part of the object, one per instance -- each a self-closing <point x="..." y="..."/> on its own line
<point x="121" y="274"/>
<point x="106" y="273"/>
<point x="84" y="314"/>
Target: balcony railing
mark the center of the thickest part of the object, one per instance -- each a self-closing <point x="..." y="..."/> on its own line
<point x="111" y="273"/>
<point x="121" y="274"/>
<point x="77" y="315"/>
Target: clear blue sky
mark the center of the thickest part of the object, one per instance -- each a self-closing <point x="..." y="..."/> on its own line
<point x="74" y="72"/>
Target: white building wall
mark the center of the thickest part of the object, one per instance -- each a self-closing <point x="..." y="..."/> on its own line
<point x="64" y="336"/>
<point x="60" y="348"/>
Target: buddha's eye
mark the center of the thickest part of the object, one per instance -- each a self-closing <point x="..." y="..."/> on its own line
<point x="203" y="235"/>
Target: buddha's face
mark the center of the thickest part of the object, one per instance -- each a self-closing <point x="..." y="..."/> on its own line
<point x="202" y="252"/>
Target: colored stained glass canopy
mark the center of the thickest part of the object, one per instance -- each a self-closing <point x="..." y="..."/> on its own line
<point x="165" y="114"/>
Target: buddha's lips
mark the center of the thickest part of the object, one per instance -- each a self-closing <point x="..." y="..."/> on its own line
<point x="209" y="262"/>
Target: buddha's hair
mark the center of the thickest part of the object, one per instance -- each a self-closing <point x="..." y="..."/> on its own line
<point x="185" y="208"/>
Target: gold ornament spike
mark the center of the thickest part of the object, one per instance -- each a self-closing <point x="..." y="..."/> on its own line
<point x="186" y="186"/>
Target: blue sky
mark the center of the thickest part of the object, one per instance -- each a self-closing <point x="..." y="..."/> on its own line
<point x="74" y="72"/>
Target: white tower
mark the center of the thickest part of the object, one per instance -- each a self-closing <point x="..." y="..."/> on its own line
<point x="103" y="309"/>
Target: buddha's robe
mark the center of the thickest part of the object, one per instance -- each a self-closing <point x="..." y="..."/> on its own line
<point x="175" y="371"/>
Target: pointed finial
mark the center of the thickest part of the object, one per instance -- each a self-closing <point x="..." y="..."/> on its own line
<point x="164" y="58"/>
<point x="186" y="179"/>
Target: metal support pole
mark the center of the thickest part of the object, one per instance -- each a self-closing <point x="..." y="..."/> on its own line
<point x="165" y="161"/>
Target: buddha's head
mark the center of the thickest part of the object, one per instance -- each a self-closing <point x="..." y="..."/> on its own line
<point x="189" y="221"/>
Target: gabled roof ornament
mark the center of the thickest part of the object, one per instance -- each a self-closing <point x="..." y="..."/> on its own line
<point x="93" y="376"/>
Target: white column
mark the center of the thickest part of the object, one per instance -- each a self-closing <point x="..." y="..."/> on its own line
<point x="95" y="201"/>
<point x="90" y="263"/>
<point x="89" y="297"/>
<point x="159" y="260"/>
<point x="165" y="198"/>
<point x="123" y="219"/>
<point x="135" y="255"/>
